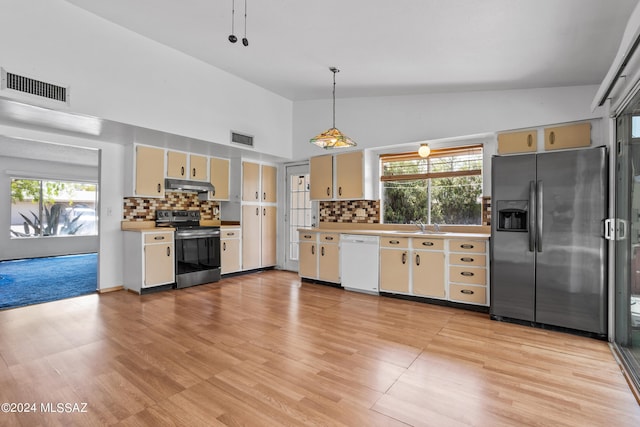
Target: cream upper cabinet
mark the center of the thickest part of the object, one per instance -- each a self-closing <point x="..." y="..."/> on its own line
<point x="183" y="165"/>
<point x="176" y="164"/>
<point x="219" y="172"/>
<point x="321" y="177"/>
<point x="149" y="171"/>
<point x="349" y="175"/>
<point x="250" y="182"/>
<point x="518" y="142"/>
<point x="269" y="183"/>
<point x="198" y="168"/>
<point x="345" y="176"/>
<point x="569" y="136"/>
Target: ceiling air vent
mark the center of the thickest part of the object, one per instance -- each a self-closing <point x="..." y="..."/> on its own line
<point x="34" y="87"/>
<point x="239" y="138"/>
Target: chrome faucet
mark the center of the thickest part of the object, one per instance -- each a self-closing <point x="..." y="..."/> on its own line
<point x="436" y="228"/>
<point x="418" y="223"/>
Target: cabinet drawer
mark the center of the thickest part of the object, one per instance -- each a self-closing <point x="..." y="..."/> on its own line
<point x="473" y="246"/>
<point x="473" y="294"/>
<point x="230" y="234"/>
<point x="307" y="236"/>
<point x="394" y="242"/>
<point x="472" y="275"/>
<point x="430" y="244"/>
<point x="470" y="259"/>
<point x="158" y="237"/>
<point x="329" y="238"/>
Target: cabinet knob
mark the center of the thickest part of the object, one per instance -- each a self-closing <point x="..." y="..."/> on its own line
<point x="467" y="246"/>
<point x="466" y="259"/>
<point x="417" y="259"/>
<point x="467" y="291"/>
<point x="256" y="195"/>
<point x="467" y="273"/>
<point x="231" y="234"/>
<point x="322" y="251"/>
<point x="194" y="171"/>
<point x="181" y="170"/>
<point x="257" y="211"/>
<point x="158" y="238"/>
<point x="328" y="191"/>
<point x="394" y="242"/>
<point x="264" y="195"/>
<point x="404" y="257"/>
<point x="264" y="211"/>
<point x="224" y="246"/>
<point x="340" y="191"/>
<point x="168" y="250"/>
<point x="313" y="250"/>
<point x="159" y="188"/>
<point x="427" y="243"/>
<point x="529" y="140"/>
<point x="328" y="238"/>
<point x="307" y="236"/>
<point x="552" y="137"/>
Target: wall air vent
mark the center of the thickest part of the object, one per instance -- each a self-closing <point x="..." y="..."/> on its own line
<point x="239" y="138"/>
<point x="27" y="85"/>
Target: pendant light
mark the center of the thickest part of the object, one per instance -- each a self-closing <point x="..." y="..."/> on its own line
<point x="424" y="151"/>
<point x="333" y="138"/>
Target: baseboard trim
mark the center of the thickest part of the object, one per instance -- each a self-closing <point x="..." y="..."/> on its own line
<point x="113" y="289"/>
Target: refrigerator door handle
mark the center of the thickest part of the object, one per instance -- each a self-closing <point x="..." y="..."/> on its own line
<point x="532" y="210"/>
<point x="539" y="210"/>
<point x="608" y="225"/>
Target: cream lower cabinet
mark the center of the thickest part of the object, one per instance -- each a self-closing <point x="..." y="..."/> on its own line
<point x="149" y="259"/>
<point x="395" y="263"/>
<point x="428" y="268"/>
<point x="259" y="236"/>
<point x="468" y="272"/>
<point x="319" y="256"/>
<point x="230" y="250"/>
<point x="413" y="266"/>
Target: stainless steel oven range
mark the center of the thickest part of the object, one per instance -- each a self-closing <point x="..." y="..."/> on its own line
<point x="197" y="248"/>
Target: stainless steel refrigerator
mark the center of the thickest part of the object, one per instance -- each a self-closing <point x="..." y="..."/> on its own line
<point x="548" y="252"/>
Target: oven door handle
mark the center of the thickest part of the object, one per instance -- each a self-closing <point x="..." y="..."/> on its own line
<point x="197" y="237"/>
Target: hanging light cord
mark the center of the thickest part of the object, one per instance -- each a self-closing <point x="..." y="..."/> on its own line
<point x="334" y="70"/>
<point x="233" y="14"/>
<point x="245" y="19"/>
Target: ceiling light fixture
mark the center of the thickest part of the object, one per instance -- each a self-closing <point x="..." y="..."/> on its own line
<point x="424" y="150"/>
<point x="333" y="138"/>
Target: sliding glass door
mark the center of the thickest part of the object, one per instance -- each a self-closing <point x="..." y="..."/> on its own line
<point x="627" y="246"/>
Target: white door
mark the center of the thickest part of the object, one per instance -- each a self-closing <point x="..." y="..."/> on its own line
<point x="299" y="211"/>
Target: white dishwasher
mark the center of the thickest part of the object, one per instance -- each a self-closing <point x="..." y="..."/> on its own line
<point x="359" y="260"/>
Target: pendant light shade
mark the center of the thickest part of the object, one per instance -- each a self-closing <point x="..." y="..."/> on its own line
<point x="333" y="138"/>
<point x="424" y="150"/>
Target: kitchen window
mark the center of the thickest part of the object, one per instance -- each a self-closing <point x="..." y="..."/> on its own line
<point x="444" y="188"/>
<point x="42" y="208"/>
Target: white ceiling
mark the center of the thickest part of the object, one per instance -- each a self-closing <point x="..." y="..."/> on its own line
<point x="387" y="47"/>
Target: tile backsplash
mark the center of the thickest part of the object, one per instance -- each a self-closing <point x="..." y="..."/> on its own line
<point x="358" y="211"/>
<point x="141" y="209"/>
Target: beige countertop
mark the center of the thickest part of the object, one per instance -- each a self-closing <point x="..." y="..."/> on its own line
<point x="402" y="233"/>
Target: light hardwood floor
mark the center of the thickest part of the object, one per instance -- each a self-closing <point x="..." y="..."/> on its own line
<point x="266" y="350"/>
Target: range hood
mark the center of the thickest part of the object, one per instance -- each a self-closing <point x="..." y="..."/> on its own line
<point x="185" y="185"/>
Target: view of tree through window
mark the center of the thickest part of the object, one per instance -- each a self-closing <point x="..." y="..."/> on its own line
<point x="444" y="188"/>
<point x="41" y="208"/>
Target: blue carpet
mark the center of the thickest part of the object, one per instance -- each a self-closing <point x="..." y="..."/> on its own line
<point x="36" y="280"/>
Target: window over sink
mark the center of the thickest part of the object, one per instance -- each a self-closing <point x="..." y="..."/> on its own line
<point x="444" y="188"/>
